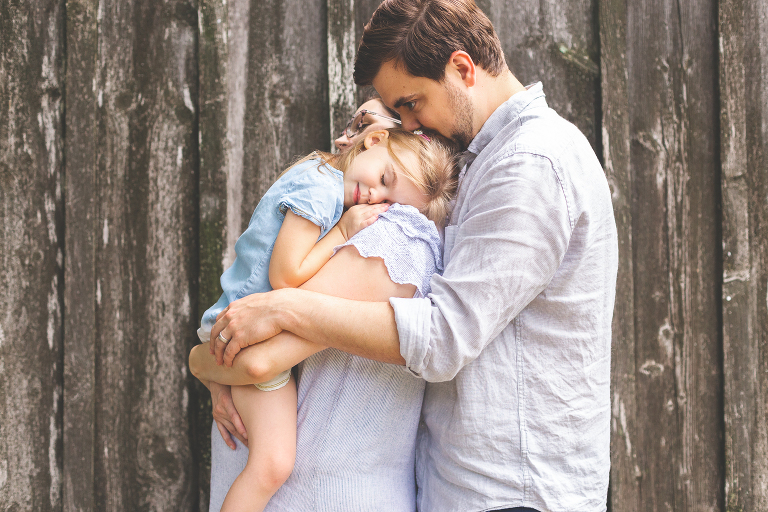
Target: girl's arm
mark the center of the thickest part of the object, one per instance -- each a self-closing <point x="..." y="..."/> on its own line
<point x="347" y="275"/>
<point x="298" y="255"/>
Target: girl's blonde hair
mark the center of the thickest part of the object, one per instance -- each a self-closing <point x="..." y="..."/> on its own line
<point x="436" y="176"/>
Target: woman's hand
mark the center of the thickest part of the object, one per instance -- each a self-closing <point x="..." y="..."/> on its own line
<point x="358" y="217"/>
<point x="227" y="418"/>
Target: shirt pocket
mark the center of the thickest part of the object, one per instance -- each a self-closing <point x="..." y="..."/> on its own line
<point x="450" y="239"/>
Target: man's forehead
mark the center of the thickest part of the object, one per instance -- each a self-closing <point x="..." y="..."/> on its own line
<point x="394" y="83"/>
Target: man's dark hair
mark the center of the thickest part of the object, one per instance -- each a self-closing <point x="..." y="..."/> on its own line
<point x="421" y="35"/>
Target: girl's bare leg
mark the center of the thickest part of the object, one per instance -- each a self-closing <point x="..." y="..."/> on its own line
<point x="270" y="420"/>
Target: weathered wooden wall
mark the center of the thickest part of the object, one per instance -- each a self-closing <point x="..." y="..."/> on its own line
<point x="743" y="143"/>
<point x="264" y="101"/>
<point x="660" y="136"/>
<point x="131" y="271"/>
<point x="137" y="136"/>
<point x="32" y="253"/>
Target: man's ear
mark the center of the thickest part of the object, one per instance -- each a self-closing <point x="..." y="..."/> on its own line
<point x="375" y="137"/>
<point x="461" y="63"/>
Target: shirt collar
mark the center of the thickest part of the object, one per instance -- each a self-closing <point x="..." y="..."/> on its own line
<point x="504" y="114"/>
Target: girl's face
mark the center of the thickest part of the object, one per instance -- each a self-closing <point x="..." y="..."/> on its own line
<point x="374" y="177"/>
<point x="370" y="123"/>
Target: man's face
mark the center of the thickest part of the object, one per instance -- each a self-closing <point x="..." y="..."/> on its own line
<point x="421" y="102"/>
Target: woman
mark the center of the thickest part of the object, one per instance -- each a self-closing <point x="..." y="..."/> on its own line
<point x="371" y="115"/>
<point x="357" y="418"/>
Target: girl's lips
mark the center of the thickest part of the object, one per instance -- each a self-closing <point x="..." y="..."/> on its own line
<point x="356" y="194"/>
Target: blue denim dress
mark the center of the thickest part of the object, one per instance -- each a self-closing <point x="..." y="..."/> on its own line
<point x="312" y="190"/>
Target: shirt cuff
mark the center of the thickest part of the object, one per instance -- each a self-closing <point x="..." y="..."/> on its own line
<point x="413" y="317"/>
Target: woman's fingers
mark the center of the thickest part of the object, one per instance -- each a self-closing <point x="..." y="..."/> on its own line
<point x="227" y="418"/>
<point x="238" y="427"/>
<point x="225" y="435"/>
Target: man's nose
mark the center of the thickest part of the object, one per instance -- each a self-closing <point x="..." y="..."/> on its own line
<point x="410" y="122"/>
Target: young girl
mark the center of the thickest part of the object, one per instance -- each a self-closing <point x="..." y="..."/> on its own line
<point x="291" y="235"/>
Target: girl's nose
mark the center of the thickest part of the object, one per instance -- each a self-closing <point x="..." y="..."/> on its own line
<point x="374" y="197"/>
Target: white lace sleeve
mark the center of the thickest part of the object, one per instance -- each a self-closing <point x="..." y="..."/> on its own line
<point x="408" y="243"/>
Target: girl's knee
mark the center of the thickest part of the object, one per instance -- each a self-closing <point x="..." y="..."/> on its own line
<point x="282" y="467"/>
<point x="271" y="470"/>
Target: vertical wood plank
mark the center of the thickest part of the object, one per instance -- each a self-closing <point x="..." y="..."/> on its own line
<point x="80" y="277"/>
<point x="744" y="116"/>
<point x="218" y="35"/>
<point x="31" y="253"/>
<point x="346" y="20"/>
<point x="625" y="473"/>
<point x="671" y="75"/>
<point x="264" y="101"/>
<point x="342" y="47"/>
<point x="556" y="43"/>
<point x="286" y="93"/>
<point x="146" y="153"/>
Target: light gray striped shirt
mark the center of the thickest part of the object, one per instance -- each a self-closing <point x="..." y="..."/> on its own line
<point x="357" y="418"/>
<point x="515" y="338"/>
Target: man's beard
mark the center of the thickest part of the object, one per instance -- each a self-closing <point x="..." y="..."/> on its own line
<point x="461" y="106"/>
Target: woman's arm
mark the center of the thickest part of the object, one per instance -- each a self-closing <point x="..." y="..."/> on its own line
<point x="347" y="275"/>
<point x="298" y="255"/>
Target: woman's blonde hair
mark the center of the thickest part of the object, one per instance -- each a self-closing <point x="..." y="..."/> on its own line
<point x="436" y="176"/>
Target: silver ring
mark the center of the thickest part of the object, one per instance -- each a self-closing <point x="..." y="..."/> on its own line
<point x="223" y="339"/>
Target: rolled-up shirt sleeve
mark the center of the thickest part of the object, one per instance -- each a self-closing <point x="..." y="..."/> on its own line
<point x="509" y="241"/>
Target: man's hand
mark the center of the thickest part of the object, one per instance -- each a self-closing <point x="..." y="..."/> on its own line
<point x="245" y="322"/>
<point x="227" y="419"/>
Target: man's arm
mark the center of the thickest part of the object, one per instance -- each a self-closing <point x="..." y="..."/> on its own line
<point x="506" y="251"/>
<point x="361" y="323"/>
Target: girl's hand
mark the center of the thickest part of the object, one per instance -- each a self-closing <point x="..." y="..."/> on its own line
<point x="358" y="217"/>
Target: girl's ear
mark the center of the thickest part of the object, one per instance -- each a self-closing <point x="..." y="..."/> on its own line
<point x="375" y="137"/>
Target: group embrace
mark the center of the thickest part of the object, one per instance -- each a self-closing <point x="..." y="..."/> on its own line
<point x="442" y="287"/>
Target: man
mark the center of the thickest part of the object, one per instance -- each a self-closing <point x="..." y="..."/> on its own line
<point x="514" y="341"/>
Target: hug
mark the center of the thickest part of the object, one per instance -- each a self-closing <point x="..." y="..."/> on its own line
<point x="447" y="315"/>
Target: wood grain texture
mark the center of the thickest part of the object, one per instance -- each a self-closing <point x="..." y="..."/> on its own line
<point x="31" y="253"/>
<point x="346" y="21"/>
<point x="216" y="145"/>
<point x="286" y="94"/>
<point x="264" y="101"/>
<point x="744" y="115"/>
<point x="80" y="272"/>
<point x="556" y="43"/>
<point x="625" y="472"/>
<point x="146" y="162"/>
<point x="125" y="183"/>
<point x="342" y="47"/>
<point x="671" y="59"/>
